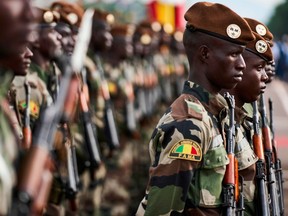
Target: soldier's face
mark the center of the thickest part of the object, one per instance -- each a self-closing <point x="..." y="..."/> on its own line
<point x="253" y="80"/>
<point x="22" y="62"/>
<point x="270" y="71"/>
<point x="67" y="40"/>
<point x="226" y="64"/>
<point x="50" y="43"/>
<point x="16" y="19"/>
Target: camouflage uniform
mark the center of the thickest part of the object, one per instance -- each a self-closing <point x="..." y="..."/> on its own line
<point x="8" y="147"/>
<point x="187" y="151"/>
<point x="39" y="95"/>
<point x="246" y="157"/>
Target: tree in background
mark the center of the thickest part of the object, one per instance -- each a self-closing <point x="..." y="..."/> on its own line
<point x="278" y="22"/>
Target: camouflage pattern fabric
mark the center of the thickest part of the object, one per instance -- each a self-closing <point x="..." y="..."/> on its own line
<point x="8" y="148"/>
<point x="246" y="156"/>
<point x="187" y="151"/>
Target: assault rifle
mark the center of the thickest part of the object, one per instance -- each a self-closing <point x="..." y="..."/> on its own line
<point x="34" y="182"/>
<point x="110" y="124"/>
<point x="263" y="205"/>
<point x="27" y="135"/>
<point x="231" y="174"/>
<point x="270" y="166"/>
<point x="277" y="161"/>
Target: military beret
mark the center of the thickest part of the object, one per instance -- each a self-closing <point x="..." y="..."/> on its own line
<point x="104" y="16"/>
<point x="70" y="13"/>
<point x="122" y="30"/>
<point x="261" y="29"/>
<point x="260" y="47"/>
<point x="219" y="21"/>
<point x="46" y="17"/>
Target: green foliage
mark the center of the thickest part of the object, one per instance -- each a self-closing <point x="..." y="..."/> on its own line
<point x="278" y="22"/>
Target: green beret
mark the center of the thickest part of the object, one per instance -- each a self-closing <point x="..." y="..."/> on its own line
<point x="261" y="29"/>
<point x="219" y="21"/>
<point x="260" y="47"/>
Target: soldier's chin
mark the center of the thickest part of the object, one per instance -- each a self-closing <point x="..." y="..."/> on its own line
<point x="57" y="54"/>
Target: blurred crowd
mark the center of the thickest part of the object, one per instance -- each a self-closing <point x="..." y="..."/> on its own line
<point x="280" y="52"/>
<point x="93" y="159"/>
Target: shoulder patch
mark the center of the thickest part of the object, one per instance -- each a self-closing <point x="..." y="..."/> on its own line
<point x="194" y="109"/>
<point x="187" y="150"/>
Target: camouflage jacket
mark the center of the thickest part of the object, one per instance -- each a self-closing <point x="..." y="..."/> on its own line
<point x="187" y="152"/>
<point x="8" y="147"/>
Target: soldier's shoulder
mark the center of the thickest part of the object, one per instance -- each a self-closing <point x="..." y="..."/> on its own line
<point x="189" y="106"/>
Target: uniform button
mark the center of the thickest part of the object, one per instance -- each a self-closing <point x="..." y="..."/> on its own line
<point x="248" y="159"/>
<point x="219" y="159"/>
<point x="207" y="162"/>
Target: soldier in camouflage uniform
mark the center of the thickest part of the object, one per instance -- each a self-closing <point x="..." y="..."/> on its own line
<point x="186" y="147"/>
<point x="256" y="55"/>
<point x="15" y="22"/>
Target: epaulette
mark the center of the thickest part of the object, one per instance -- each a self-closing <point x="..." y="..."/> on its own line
<point x="195" y="108"/>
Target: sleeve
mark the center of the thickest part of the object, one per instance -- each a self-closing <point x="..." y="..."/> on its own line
<point x="175" y="150"/>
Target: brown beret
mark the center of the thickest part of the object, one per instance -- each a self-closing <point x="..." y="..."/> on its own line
<point x="122" y="30"/>
<point x="103" y="16"/>
<point x="261" y="29"/>
<point x="260" y="47"/>
<point x="70" y="13"/>
<point x="219" y="21"/>
<point x="46" y="17"/>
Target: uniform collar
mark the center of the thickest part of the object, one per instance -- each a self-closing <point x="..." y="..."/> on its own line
<point x="212" y="103"/>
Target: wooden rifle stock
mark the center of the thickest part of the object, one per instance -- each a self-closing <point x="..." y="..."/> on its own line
<point x="270" y="167"/>
<point x="262" y="204"/>
<point x="27" y="134"/>
<point x="91" y="139"/>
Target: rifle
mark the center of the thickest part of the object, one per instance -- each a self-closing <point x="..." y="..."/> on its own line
<point x="270" y="167"/>
<point x="34" y="182"/>
<point x="263" y="205"/>
<point x="90" y="132"/>
<point x="277" y="161"/>
<point x="110" y="124"/>
<point x="229" y="181"/>
<point x="130" y="106"/>
<point x="27" y="135"/>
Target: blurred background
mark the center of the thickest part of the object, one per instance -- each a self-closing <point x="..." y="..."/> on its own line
<point x="273" y="13"/>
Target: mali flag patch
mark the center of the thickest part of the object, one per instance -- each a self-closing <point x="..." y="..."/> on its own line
<point x="187" y="150"/>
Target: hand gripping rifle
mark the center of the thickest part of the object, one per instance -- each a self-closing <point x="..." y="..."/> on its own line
<point x="277" y="161"/>
<point x="34" y="182"/>
<point x="231" y="174"/>
<point x="270" y="166"/>
<point x="27" y="135"/>
<point x="263" y="205"/>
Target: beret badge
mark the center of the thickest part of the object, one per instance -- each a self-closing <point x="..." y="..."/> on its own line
<point x="73" y="18"/>
<point x="233" y="31"/>
<point x="261" y="46"/>
<point x="261" y="30"/>
<point x="48" y="17"/>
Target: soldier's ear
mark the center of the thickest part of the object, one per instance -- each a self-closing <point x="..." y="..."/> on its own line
<point x="203" y="52"/>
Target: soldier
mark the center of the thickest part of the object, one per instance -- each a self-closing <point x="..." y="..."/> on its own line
<point x="185" y="143"/>
<point x="46" y="47"/>
<point x="116" y="198"/>
<point x="256" y="55"/>
<point x="16" y="19"/>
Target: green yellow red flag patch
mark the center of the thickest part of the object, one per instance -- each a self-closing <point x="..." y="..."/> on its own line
<point x="186" y="150"/>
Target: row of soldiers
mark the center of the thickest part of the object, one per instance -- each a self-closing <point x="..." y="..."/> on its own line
<point x="213" y="151"/>
<point x="73" y="140"/>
